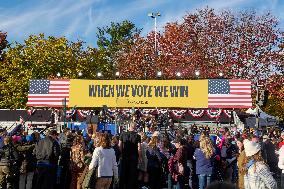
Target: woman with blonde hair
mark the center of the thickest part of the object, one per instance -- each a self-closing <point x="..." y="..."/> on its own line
<point x="204" y="156"/>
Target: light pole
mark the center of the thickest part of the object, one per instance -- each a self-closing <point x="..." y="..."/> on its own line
<point x="155" y="15"/>
<point x="257" y="105"/>
<point x="197" y="74"/>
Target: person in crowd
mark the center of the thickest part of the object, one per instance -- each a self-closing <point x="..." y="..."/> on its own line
<point x="281" y="164"/>
<point x="130" y="147"/>
<point x="9" y="157"/>
<point x="114" y="145"/>
<point x="281" y="142"/>
<point x="257" y="172"/>
<point x="65" y="140"/>
<point x="105" y="161"/>
<point x="77" y="164"/>
<point x="154" y="164"/>
<point x="241" y="162"/>
<point x="204" y="156"/>
<point x="47" y="152"/>
<point x="180" y="158"/>
<point x="269" y="155"/>
<point x="171" y="132"/>
<point x="167" y="151"/>
<point x="143" y="176"/>
<point x="231" y="160"/>
<point x="27" y="164"/>
<point x="190" y="153"/>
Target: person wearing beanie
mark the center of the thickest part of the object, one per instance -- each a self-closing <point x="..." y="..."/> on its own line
<point x="281" y="164"/>
<point x="257" y="172"/>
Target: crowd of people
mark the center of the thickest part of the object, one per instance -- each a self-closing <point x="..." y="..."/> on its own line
<point x="178" y="158"/>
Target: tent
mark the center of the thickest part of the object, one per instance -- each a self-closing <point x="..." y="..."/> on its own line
<point x="262" y="114"/>
<point x="264" y="118"/>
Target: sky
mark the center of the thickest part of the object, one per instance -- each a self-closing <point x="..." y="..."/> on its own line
<point x="79" y="19"/>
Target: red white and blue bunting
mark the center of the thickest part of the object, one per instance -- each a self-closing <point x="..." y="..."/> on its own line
<point x="214" y="113"/>
<point x="228" y="113"/>
<point x="196" y="113"/>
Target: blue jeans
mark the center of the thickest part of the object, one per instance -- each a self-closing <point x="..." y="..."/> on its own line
<point x="204" y="180"/>
<point x="190" y="167"/>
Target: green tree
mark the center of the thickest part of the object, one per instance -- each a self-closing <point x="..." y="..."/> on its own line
<point x="113" y="40"/>
<point x="41" y="57"/>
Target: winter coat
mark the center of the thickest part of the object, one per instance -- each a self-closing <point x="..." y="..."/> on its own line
<point x="241" y="170"/>
<point x="281" y="158"/>
<point x="105" y="161"/>
<point x="8" y="154"/>
<point x="259" y="177"/>
<point x="154" y="158"/>
<point x="27" y="158"/>
<point x="47" y="150"/>
<point x="203" y="165"/>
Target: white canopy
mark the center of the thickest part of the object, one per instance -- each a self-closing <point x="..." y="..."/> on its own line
<point x="262" y="114"/>
<point x="264" y="118"/>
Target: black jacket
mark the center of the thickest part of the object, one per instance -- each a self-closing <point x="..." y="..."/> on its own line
<point x="8" y="154"/>
<point x="26" y="157"/>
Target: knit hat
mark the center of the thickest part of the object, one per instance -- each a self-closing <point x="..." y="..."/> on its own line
<point x="251" y="148"/>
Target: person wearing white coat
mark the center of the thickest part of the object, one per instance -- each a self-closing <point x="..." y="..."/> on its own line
<point x="105" y="161"/>
<point x="281" y="164"/>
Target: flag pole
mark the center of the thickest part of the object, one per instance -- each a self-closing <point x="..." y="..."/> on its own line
<point x="64" y="109"/>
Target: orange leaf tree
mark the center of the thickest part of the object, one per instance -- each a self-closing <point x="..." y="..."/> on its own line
<point x="240" y="45"/>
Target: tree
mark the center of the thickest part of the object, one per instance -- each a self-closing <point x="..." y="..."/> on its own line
<point x="275" y="104"/>
<point x="242" y="45"/>
<point x="41" y="57"/>
<point x="114" y="40"/>
<point x="3" y="43"/>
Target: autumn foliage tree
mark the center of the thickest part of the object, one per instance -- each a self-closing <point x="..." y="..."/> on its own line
<point x="3" y="44"/>
<point x="242" y="45"/>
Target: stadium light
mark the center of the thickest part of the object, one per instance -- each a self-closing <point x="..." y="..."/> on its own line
<point x="155" y="15"/>
<point x="159" y="74"/>
<point x="99" y="74"/>
<point x="197" y="73"/>
<point x="178" y="74"/>
<point x="117" y="74"/>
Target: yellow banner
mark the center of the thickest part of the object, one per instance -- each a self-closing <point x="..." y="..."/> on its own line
<point x="139" y="93"/>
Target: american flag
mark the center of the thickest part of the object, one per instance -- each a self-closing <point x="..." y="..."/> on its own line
<point x="48" y="93"/>
<point x="228" y="93"/>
